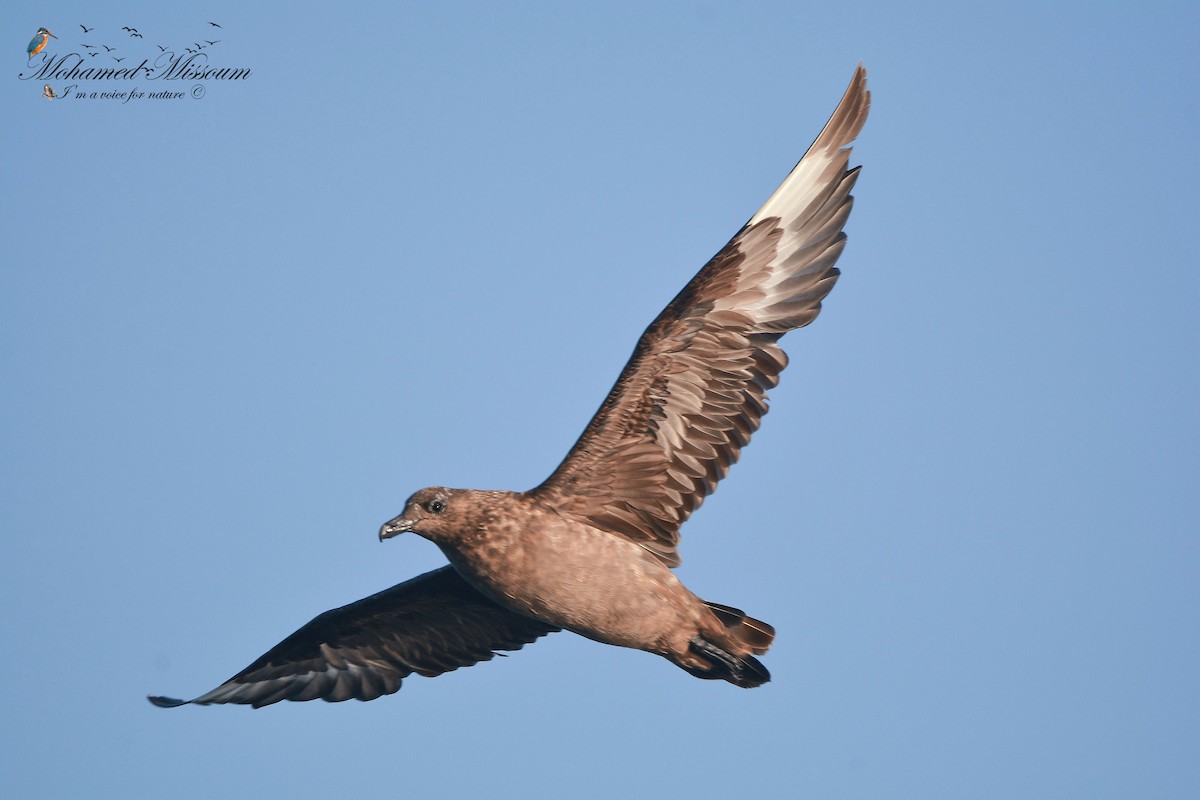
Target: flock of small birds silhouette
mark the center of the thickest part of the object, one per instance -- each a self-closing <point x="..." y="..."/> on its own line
<point x="49" y="93"/>
<point x="133" y="33"/>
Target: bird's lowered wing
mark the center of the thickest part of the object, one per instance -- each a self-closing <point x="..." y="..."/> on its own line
<point x="431" y="624"/>
<point x="694" y="389"/>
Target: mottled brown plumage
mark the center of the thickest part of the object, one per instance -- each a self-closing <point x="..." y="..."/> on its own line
<point x="695" y="389"/>
<point x="590" y="549"/>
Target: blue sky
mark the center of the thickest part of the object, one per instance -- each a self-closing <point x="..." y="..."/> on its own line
<point x="416" y="246"/>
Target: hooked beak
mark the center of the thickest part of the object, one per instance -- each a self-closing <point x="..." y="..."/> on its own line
<point x="394" y="527"/>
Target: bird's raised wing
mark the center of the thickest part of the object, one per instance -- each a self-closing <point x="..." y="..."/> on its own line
<point x="695" y="387"/>
<point x="431" y="624"/>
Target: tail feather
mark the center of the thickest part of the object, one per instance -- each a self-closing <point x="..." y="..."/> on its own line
<point x="724" y="653"/>
<point x="754" y="633"/>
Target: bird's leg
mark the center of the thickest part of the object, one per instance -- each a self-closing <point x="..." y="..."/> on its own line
<point x="711" y="651"/>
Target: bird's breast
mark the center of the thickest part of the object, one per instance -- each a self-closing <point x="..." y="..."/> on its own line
<point x="586" y="580"/>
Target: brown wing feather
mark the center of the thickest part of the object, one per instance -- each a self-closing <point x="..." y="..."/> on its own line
<point x="431" y="624"/>
<point x="695" y="388"/>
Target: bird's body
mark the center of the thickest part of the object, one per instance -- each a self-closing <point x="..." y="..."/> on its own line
<point x="38" y="43"/>
<point x="590" y="550"/>
<point x="521" y="553"/>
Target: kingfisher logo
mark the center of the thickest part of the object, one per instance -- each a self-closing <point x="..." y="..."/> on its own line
<point x="125" y="54"/>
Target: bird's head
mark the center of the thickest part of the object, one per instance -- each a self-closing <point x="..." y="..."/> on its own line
<point x="435" y="513"/>
<point x="46" y="32"/>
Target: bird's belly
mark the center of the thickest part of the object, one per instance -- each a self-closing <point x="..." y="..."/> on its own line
<point x="591" y="582"/>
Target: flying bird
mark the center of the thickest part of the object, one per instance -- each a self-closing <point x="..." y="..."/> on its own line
<point x="86" y="29"/>
<point x="119" y="60"/>
<point x="38" y="42"/>
<point x="109" y="49"/>
<point x="590" y="550"/>
<point x="131" y="30"/>
<point x="135" y="35"/>
<point x="88" y="46"/>
<point x="215" y="25"/>
<point x="160" y="47"/>
<point x="211" y="41"/>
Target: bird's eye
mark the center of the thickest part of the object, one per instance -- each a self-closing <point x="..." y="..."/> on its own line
<point x="437" y="506"/>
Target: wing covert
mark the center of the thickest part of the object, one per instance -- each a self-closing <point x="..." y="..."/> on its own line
<point x="694" y="390"/>
<point x="431" y="624"/>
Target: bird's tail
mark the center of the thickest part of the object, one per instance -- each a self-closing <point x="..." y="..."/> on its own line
<point x="729" y="657"/>
<point x="754" y="633"/>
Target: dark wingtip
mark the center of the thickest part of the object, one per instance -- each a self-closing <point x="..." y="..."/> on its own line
<point x="167" y="702"/>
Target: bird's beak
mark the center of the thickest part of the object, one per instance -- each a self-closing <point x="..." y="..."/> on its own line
<point x="51" y="34"/>
<point x="395" y="527"/>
